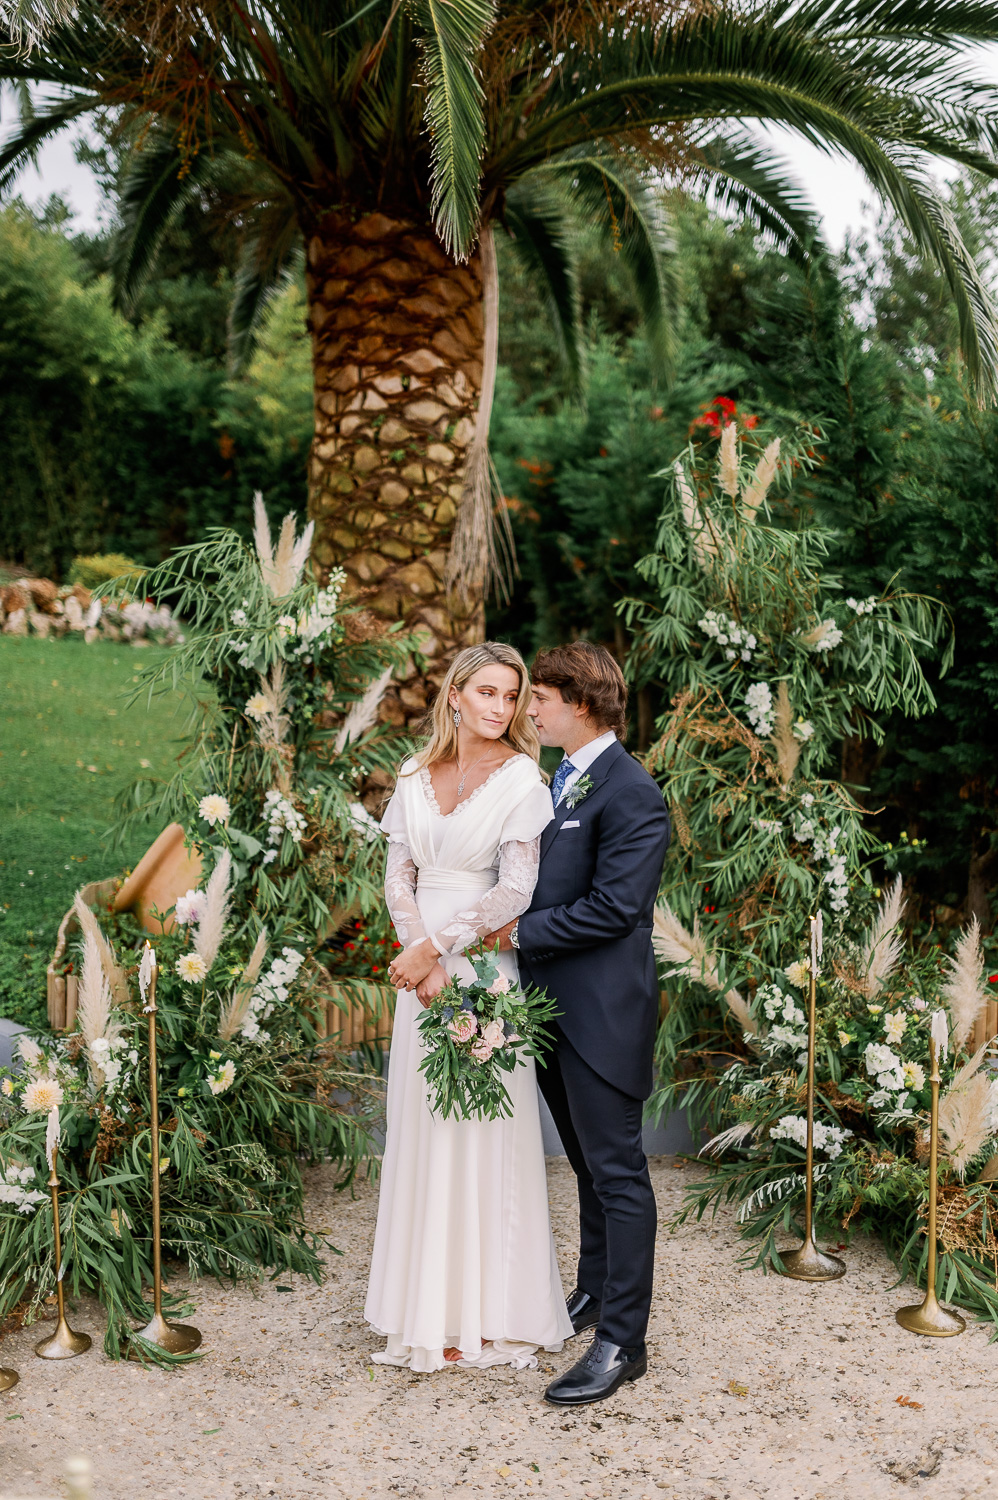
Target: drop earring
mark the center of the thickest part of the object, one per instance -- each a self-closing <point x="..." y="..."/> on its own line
<point x="457" y="718"/>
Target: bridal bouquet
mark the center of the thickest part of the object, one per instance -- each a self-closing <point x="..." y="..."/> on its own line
<point x="474" y="1032"/>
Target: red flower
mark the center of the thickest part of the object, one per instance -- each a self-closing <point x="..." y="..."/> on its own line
<point x="993" y="979"/>
<point x="749" y="423"/>
<point x="349" y="947"/>
<point x="725" y="404"/>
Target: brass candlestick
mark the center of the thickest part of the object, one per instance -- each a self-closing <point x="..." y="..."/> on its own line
<point x="8" y="1379"/>
<point x="175" y="1338"/>
<point x="928" y="1316"/>
<point x="808" y="1263"/>
<point x="64" y="1343"/>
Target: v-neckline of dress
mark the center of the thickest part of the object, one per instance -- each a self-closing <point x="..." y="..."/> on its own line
<point x="431" y="796"/>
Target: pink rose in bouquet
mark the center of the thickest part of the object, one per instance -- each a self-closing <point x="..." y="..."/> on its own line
<point x="494" y="1033"/>
<point x="499" y="985"/>
<point x="481" y="1051"/>
<point x="463" y="1026"/>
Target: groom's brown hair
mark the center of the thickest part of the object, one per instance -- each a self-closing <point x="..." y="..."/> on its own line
<point x="586" y="674"/>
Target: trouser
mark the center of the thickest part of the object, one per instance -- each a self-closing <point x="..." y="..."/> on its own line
<point x="600" y="1128"/>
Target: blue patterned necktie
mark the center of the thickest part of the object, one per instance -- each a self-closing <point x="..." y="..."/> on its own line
<point x="562" y="774"/>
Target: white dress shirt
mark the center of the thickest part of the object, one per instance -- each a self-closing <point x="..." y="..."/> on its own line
<point x="583" y="758"/>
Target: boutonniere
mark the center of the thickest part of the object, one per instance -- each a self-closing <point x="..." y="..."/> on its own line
<point x="579" y="791"/>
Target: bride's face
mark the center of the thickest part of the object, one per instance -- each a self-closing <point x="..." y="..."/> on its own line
<point x="488" y="700"/>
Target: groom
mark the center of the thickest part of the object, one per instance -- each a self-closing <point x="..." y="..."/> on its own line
<point x="586" y="939"/>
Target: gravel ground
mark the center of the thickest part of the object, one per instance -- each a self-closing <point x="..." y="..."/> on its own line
<point x="758" y="1386"/>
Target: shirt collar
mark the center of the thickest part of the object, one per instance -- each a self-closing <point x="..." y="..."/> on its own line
<point x="582" y="759"/>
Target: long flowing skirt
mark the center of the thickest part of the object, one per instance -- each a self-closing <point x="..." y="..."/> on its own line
<point x="463" y="1252"/>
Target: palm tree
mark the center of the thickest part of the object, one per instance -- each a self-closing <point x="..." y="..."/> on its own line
<point x="394" y="137"/>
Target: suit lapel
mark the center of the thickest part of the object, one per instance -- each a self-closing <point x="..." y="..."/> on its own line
<point x="597" y="773"/>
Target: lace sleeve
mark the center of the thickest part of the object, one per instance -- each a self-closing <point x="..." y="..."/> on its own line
<point x="507" y="899"/>
<point x="400" y="894"/>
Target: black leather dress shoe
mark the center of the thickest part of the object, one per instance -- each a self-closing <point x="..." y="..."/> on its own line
<point x="602" y="1370"/>
<point x="583" y="1310"/>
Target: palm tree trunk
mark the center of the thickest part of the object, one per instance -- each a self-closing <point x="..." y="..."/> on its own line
<point x="398" y="343"/>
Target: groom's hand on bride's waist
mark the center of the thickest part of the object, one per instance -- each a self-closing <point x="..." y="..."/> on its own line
<point x="502" y="936"/>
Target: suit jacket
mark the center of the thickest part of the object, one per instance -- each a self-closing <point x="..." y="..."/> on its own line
<point x="586" y="937"/>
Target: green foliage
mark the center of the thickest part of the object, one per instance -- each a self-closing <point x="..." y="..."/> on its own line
<point x="240" y="1115"/>
<point x="273" y="669"/>
<point x="99" y="569"/>
<point x="117" y="440"/>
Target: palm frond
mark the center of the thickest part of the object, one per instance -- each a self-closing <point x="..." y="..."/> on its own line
<point x="543" y="237"/>
<point x="453" y="33"/>
<point x="157" y="184"/>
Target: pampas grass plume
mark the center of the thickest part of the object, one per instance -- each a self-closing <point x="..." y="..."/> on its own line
<point x="364" y="712"/>
<point x="94" y="1003"/>
<point x="703" y="542"/>
<point x="281" y="569"/>
<point x="234" y="1012"/>
<point x="757" y="488"/>
<point x="727" y="468"/>
<point x="965" y="1112"/>
<point x="113" y="972"/>
<point x="688" y="951"/>
<point x="964" y="990"/>
<point x="884" y="943"/>
<point x="216" y="909"/>
<point x="784" y="740"/>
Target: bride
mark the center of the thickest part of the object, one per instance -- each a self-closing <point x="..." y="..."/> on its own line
<point x="463" y="1269"/>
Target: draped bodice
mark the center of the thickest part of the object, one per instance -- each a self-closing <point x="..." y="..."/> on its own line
<point x="459" y="850"/>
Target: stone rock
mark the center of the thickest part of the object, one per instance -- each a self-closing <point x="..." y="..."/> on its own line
<point x="445" y="513"/>
<point x="413" y="697"/>
<point x="446" y="393"/>
<point x="44" y="594"/>
<point x="40" y="624"/>
<point x="374" y="402"/>
<point x="416" y="531"/>
<point x="425" y="411"/>
<point x="329" y="404"/>
<point x="464" y="431"/>
<point x="16" y="622"/>
<point x="392" y="433"/>
<point x="392" y="547"/>
<point x="414" y="473"/>
<point x="349" y="424"/>
<point x="439" y="453"/>
<point x="327" y="450"/>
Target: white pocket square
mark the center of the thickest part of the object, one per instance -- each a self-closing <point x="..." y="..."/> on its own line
<point x="570" y="823"/>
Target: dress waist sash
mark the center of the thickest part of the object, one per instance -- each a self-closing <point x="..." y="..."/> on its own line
<point x="433" y="878"/>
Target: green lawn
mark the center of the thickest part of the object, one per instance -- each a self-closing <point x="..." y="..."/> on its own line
<point x="68" y="746"/>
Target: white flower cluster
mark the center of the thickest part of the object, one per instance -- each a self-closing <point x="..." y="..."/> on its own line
<point x="803" y="730"/>
<point x="107" y="1055"/>
<point x="362" y="820"/>
<point x="791" y="1030"/>
<point x="886" y="1067"/>
<point x="312" y="629"/>
<point x="824" y="637"/>
<point x="759" y="706"/>
<point x="827" y="1138"/>
<point x="836" y="879"/>
<point x="864" y="606"/>
<point x="14" y="1189"/>
<point x="729" y="634"/>
<point x="271" y="989"/>
<point x="767" y="825"/>
<point x="281" y="813"/>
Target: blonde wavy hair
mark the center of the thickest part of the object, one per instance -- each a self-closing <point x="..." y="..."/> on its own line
<point x="441" y="743"/>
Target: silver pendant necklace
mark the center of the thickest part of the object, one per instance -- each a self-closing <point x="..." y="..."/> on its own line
<point x="467" y="773"/>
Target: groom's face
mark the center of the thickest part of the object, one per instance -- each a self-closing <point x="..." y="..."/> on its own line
<point x="557" y="722"/>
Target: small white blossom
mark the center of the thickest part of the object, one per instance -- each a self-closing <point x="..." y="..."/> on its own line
<point x="827" y="1138"/>
<point x="281" y="814"/>
<point x="914" y="1075"/>
<point x="189" y="908"/>
<point x="192" y="968"/>
<point x="223" y="1079"/>
<point x="803" y="730"/>
<point x="257" y="707"/>
<point x="894" y="1026"/>
<point x="759" y="708"/>
<point x="864" y="606"/>
<point x="798" y="972"/>
<point x="214" y="809"/>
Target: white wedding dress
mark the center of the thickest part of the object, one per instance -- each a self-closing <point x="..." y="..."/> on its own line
<point x="463" y="1252"/>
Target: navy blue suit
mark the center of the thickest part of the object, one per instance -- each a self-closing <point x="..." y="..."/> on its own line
<point x="586" y="939"/>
